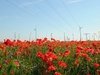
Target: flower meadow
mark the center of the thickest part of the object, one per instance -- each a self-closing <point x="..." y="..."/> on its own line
<point x="49" y="57"/>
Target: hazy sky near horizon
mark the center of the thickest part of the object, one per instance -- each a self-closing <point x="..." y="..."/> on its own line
<point x="20" y="18"/>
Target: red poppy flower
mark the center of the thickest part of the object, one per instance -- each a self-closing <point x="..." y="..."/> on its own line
<point x="16" y="63"/>
<point x="79" y="47"/>
<point x="57" y="73"/>
<point x="67" y="52"/>
<point x="88" y="59"/>
<point x="52" y="55"/>
<point x="86" y="50"/>
<point x="49" y="63"/>
<point x="96" y="65"/>
<point x="77" y="62"/>
<point x="18" y="53"/>
<point x="2" y="47"/>
<point x="62" y="64"/>
<point x="12" y="72"/>
<point x="41" y="55"/>
<point x="51" y="68"/>
<point x="8" y="42"/>
<point x="96" y="52"/>
<point x="78" y="51"/>
<point x="88" y="74"/>
<point x="49" y="56"/>
<point x="98" y="72"/>
<point x="53" y="39"/>
<point x="5" y="73"/>
<point x="85" y="55"/>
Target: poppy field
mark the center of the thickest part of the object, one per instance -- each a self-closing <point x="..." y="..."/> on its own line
<point x="49" y="57"/>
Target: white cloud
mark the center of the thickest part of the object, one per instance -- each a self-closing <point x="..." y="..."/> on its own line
<point x="74" y="1"/>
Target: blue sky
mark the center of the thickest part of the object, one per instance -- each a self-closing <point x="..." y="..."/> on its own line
<point x="20" y="18"/>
